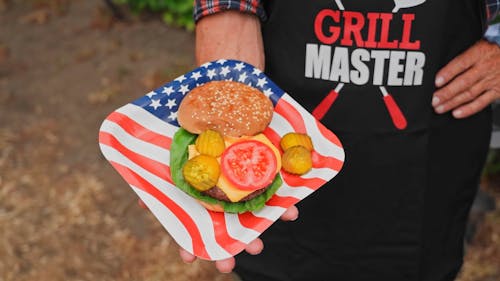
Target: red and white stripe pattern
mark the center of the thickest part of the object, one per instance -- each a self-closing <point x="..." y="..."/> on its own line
<point x="137" y="144"/>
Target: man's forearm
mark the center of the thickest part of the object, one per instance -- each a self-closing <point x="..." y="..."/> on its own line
<point x="230" y="35"/>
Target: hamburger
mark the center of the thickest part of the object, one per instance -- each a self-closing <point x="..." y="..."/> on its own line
<point x="219" y="156"/>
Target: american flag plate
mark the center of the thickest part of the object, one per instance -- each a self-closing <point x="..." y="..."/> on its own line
<point x="136" y="140"/>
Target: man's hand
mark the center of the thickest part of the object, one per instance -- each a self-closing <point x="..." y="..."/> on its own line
<point x="253" y="248"/>
<point x="470" y="82"/>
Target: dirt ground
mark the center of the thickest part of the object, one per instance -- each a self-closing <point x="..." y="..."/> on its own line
<point x="65" y="214"/>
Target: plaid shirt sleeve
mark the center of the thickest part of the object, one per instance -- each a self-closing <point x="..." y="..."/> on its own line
<point x="493" y="11"/>
<point x="493" y="8"/>
<point x="207" y="7"/>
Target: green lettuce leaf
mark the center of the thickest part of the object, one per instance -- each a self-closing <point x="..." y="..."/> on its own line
<point x="179" y="155"/>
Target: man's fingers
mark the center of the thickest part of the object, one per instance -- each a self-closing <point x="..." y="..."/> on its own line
<point x="476" y="105"/>
<point x="186" y="256"/>
<point x="459" y="64"/>
<point x="469" y="82"/>
<point x="255" y="247"/>
<point x="225" y="266"/>
<point x="458" y="84"/>
<point x="462" y="98"/>
<point x="290" y="214"/>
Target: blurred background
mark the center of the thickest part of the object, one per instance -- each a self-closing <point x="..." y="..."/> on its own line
<point x="65" y="214"/>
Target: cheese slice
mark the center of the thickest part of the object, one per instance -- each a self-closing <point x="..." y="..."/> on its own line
<point x="233" y="193"/>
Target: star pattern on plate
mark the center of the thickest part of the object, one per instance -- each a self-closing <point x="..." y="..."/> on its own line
<point x="180" y="78"/>
<point x="155" y="104"/>
<point x="221" y="62"/>
<point x="242" y="77"/>
<point x="168" y="90"/>
<point x="172" y="115"/>
<point x="239" y="66"/>
<point x="225" y="70"/>
<point x="261" y="82"/>
<point x="196" y="75"/>
<point x="256" y="71"/>
<point x="211" y="73"/>
<point x="164" y="102"/>
<point x="171" y="103"/>
<point x="268" y="92"/>
<point x="184" y="89"/>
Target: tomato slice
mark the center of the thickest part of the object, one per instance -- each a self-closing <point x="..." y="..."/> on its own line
<point x="249" y="165"/>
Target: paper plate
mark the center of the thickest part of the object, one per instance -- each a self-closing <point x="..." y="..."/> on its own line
<point x="136" y="140"/>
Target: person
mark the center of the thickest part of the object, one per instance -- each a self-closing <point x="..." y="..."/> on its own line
<point x="412" y="114"/>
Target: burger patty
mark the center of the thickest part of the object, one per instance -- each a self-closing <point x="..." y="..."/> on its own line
<point x="217" y="193"/>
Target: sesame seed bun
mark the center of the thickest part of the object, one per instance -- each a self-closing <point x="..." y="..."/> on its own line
<point x="230" y="108"/>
